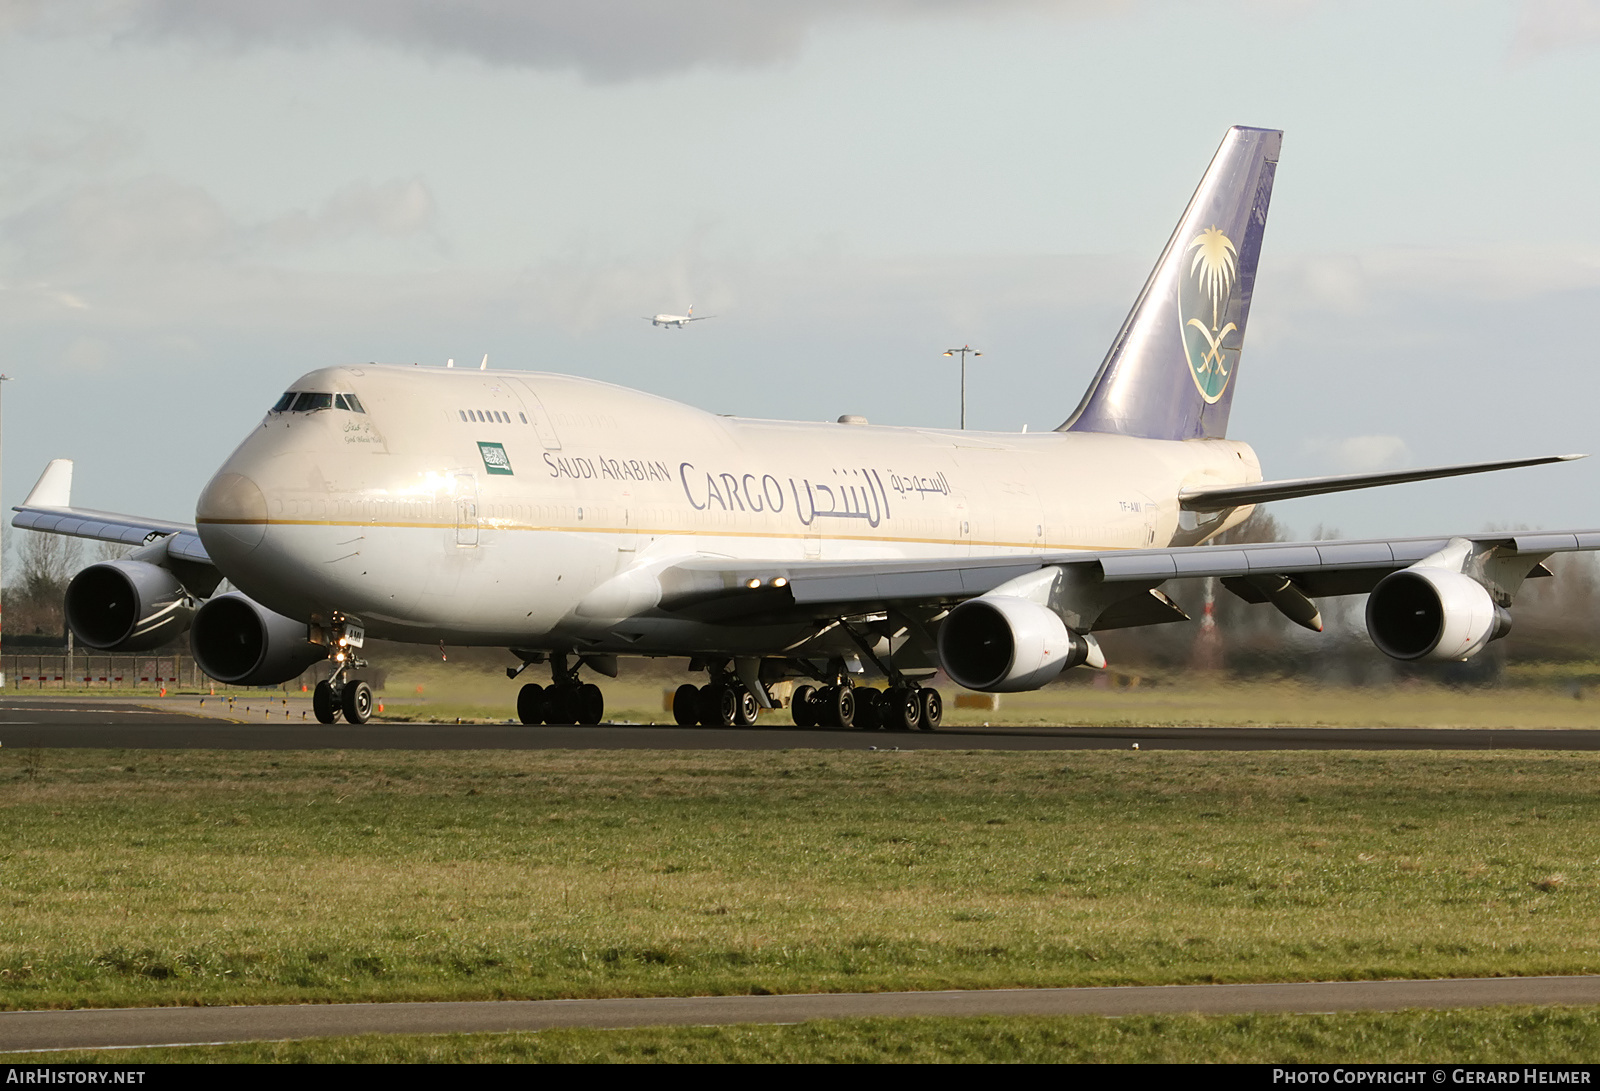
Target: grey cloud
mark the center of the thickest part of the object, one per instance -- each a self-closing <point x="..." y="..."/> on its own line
<point x="393" y="209"/>
<point x="146" y="221"/>
<point x="603" y="39"/>
<point x="1546" y="25"/>
<point x="155" y="222"/>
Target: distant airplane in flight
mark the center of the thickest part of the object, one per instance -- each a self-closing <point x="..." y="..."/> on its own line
<point x="678" y="320"/>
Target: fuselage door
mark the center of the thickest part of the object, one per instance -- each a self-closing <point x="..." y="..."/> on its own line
<point x="539" y="418"/>
<point x="466" y="492"/>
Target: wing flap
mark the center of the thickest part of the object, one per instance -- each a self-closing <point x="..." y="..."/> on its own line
<point x="102" y="526"/>
<point x="773" y="589"/>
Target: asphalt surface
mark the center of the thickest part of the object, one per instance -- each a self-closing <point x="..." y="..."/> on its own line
<point x="179" y="724"/>
<point x="101" y="1028"/>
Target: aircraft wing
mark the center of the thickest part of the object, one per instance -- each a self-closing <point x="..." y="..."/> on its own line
<point x="1223" y="497"/>
<point x="1119" y="586"/>
<point x="49" y="508"/>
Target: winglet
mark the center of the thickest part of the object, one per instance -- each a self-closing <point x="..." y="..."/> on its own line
<point x="54" y="489"/>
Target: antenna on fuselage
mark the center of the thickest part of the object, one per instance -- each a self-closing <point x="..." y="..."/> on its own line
<point x="450" y="362"/>
<point x="485" y="365"/>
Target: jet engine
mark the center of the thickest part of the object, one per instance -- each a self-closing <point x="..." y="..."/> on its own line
<point x="1006" y="644"/>
<point x="1433" y="613"/>
<point x="237" y="640"/>
<point x="127" y="606"/>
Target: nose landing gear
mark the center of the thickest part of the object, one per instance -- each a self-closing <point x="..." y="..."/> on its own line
<point x="340" y="693"/>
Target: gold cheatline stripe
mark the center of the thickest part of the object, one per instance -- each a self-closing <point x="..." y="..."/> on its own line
<point x="674" y="533"/>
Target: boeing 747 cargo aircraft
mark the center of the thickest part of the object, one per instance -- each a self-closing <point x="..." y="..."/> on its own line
<point x="575" y="522"/>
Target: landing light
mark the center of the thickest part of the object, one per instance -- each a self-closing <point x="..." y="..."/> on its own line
<point x="752" y="583"/>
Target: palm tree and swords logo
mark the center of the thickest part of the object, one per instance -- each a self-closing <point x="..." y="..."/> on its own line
<point x="1212" y="272"/>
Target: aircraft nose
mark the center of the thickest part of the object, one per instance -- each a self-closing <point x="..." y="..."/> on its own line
<point x="231" y="512"/>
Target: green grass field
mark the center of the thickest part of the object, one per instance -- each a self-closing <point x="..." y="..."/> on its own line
<point x="230" y="877"/>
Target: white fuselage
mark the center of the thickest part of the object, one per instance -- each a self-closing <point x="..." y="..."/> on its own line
<point x="520" y="526"/>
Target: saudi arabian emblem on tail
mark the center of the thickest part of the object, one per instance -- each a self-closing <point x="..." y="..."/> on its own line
<point x="1205" y="294"/>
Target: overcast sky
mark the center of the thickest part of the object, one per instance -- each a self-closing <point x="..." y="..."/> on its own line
<point x="200" y="201"/>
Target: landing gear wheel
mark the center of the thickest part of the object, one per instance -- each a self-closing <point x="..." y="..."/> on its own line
<point x="357" y="702"/>
<point x="324" y="705"/>
<point x="902" y="710"/>
<point x="561" y="705"/>
<point x="708" y="708"/>
<point x="802" y="706"/>
<point x="869" y="709"/>
<point x="686" y="705"/>
<point x="842" y="706"/>
<point x="727" y="706"/>
<point x="932" y="709"/>
<point x="747" y="709"/>
<point x="591" y="704"/>
<point x="530" y="703"/>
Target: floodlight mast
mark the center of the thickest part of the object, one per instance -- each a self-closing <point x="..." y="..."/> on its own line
<point x="3" y="380"/>
<point x="962" y="352"/>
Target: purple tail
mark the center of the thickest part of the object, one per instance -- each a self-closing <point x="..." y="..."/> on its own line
<point x="1170" y="372"/>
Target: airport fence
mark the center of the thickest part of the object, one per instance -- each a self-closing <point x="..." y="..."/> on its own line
<point x="24" y="671"/>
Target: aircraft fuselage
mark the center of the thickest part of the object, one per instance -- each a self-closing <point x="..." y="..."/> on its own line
<point x="501" y="508"/>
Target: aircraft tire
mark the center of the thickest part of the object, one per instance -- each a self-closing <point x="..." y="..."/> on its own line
<point x="561" y="705"/>
<point x="747" y="708"/>
<point x="530" y="703"/>
<point x="727" y="706"/>
<point x="591" y="704"/>
<point x="932" y="709"/>
<point x="902" y="709"/>
<point x="357" y="702"/>
<point x="802" y="706"/>
<point x="707" y="705"/>
<point x="323" y="705"/>
<point x="842" y="706"/>
<point x="686" y="705"/>
<point x="869" y="709"/>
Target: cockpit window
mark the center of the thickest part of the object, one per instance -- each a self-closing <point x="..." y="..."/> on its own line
<point x="308" y="402"/>
<point x="304" y="401"/>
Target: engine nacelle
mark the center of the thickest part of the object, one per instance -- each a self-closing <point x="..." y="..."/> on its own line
<point x="1006" y="644"/>
<point x="127" y="606"/>
<point x="1433" y="613"/>
<point x="237" y="640"/>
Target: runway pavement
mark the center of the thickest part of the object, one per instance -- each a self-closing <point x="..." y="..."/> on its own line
<point x="182" y="723"/>
<point x="133" y="1027"/>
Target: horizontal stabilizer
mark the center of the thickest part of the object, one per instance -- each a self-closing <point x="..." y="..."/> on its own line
<point x="1223" y="497"/>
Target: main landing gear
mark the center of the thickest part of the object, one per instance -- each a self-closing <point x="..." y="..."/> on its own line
<point x="340" y="693"/>
<point x="907" y="707"/>
<point x="724" y="703"/>
<point x="565" y="701"/>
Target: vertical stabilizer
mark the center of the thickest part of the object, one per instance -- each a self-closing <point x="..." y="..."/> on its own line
<point x="1170" y="372"/>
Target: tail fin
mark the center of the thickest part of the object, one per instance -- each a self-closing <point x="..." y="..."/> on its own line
<point x="1170" y="371"/>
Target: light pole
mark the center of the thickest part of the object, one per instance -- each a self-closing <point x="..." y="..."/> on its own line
<point x="962" y="351"/>
<point x="3" y="380"/>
